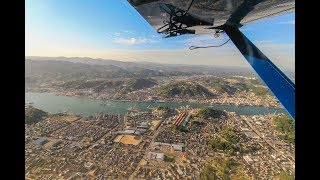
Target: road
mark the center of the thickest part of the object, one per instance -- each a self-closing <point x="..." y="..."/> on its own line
<point x="147" y="150"/>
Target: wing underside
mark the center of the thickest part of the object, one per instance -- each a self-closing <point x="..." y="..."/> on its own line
<point x="204" y="16"/>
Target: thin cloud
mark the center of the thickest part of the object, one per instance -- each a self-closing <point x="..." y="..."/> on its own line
<point x="125" y="37"/>
<point x="133" y="41"/>
<point x="287" y="22"/>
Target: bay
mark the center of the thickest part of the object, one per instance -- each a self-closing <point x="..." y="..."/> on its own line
<point x="89" y="107"/>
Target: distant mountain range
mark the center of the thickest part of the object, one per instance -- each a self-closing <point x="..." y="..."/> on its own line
<point x="145" y="69"/>
<point x="70" y="70"/>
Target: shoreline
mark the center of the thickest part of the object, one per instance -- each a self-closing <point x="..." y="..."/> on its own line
<point x="155" y="101"/>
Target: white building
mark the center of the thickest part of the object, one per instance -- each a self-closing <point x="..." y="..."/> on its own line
<point x="248" y="159"/>
<point x="157" y="156"/>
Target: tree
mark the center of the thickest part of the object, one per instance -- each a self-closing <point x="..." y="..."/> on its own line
<point x="207" y="113"/>
<point x="285" y="176"/>
<point x="208" y="173"/>
<point x="179" y="128"/>
<point x="163" y="108"/>
<point x="168" y="158"/>
<point x="286" y="126"/>
<point x="33" y="115"/>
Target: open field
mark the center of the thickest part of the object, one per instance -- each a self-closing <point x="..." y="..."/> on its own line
<point x="155" y="124"/>
<point x="128" y="139"/>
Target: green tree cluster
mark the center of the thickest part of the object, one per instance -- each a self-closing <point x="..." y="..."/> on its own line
<point x="33" y="115"/>
<point x="260" y="91"/>
<point x="163" y="108"/>
<point x="208" y="113"/>
<point x="228" y="145"/>
<point x="179" y="128"/>
<point x="285" y="176"/>
<point x="230" y="135"/>
<point x="224" y="169"/>
<point x="217" y="143"/>
<point x="168" y="158"/>
<point x="229" y="166"/>
<point x="184" y="89"/>
<point x="208" y="173"/>
<point x="139" y="83"/>
<point x="286" y="126"/>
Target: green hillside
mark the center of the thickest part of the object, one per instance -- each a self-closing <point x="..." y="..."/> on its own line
<point x="185" y="90"/>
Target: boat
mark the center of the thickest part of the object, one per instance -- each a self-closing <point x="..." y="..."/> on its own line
<point x="134" y="109"/>
<point x="105" y="104"/>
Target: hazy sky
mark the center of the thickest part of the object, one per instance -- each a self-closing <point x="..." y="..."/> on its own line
<point x="112" y="29"/>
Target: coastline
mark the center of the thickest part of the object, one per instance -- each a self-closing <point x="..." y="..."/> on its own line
<point x="156" y="101"/>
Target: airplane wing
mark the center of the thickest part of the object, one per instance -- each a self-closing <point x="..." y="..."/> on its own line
<point x="204" y="16"/>
<point x="177" y="17"/>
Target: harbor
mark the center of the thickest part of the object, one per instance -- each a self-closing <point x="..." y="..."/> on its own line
<point x="91" y="107"/>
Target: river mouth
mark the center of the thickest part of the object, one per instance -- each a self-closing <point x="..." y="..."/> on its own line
<point x="89" y="107"/>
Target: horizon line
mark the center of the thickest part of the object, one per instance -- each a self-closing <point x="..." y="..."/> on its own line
<point x="101" y="59"/>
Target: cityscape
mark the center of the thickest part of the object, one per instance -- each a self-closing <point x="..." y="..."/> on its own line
<point x="161" y="142"/>
<point x="160" y="90"/>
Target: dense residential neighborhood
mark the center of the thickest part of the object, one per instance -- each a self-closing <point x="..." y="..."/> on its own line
<point x="179" y="144"/>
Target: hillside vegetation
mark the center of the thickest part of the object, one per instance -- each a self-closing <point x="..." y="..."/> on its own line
<point x="139" y="83"/>
<point x="222" y="169"/>
<point x="123" y="86"/>
<point x="33" y="115"/>
<point x="243" y="85"/>
<point x="185" y="90"/>
<point x="208" y="113"/>
<point x="286" y="126"/>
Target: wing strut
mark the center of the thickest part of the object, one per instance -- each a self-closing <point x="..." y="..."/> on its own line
<point x="279" y="84"/>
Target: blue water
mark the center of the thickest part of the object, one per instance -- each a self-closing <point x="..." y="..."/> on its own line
<point x="86" y="107"/>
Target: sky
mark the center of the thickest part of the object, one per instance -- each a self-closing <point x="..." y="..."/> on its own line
<point x="113" y="29"/>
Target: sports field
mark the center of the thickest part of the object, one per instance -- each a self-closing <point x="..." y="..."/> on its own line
<point x="128" y="139"/>
<point x="155" y="124"/>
